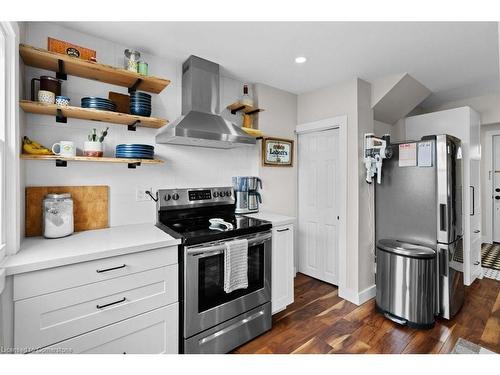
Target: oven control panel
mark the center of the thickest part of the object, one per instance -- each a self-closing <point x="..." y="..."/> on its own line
<point x="199" y="195"/>
<point x="183" y="198"/>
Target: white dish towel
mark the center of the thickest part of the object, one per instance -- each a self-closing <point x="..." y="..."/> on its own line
<point x="235" y="265"/>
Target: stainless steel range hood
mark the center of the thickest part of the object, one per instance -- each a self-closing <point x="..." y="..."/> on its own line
<point x="200" y="123"/>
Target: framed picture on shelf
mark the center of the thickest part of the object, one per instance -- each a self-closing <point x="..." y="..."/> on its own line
<point x="277" y="152"/>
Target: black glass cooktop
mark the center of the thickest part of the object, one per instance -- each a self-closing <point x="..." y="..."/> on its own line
<point x="198" y="229"/>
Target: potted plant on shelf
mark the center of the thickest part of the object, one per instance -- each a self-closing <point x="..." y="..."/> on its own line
<point x="94" y="147"/>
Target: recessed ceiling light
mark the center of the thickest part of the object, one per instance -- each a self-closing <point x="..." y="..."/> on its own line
<point x="300" y="60"/>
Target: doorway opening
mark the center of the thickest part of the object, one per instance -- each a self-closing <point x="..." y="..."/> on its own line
<point x="490" y="249"/>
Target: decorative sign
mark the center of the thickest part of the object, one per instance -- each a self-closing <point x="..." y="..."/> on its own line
<point x="66" y="48"/>
<point x="277" y="152"/>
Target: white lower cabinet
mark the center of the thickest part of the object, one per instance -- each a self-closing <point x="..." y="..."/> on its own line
<point x="133" y="308"/>
<point x="153" y="332"/>
<point x="49" y="318"/>
<point x="282" y="267"/>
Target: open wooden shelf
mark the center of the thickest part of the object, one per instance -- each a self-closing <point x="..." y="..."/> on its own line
<point x="252" y="131"/>
<point x="91" y="114"/>
<point x="61" y="160"/>
<point x="64" y="64"/>
<point x="246" y="109"/>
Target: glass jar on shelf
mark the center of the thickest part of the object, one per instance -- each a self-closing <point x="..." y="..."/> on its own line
<point x="132" y="60"/>
<point x="246" y="98"/>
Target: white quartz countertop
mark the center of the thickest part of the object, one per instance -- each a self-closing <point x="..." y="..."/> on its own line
<point x="38" y="253"/>
<point x="275" y="219"/>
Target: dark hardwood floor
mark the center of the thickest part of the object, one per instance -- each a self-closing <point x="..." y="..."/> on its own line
<point x="319" y="321"/>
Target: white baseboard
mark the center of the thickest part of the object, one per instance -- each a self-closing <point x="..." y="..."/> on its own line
<point x="348" y="295"/>
<point x="357" y="298"/>
<point x="367" y="294"/>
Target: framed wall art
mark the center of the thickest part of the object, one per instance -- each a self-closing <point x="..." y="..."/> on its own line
<point x="277" y="152"/>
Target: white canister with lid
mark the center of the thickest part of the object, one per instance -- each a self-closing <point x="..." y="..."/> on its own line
<point x="57" y="215"/>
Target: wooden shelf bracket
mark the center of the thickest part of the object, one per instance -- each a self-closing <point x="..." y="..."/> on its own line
<point x="61" y="73"/>
<point x="60" y="117"/>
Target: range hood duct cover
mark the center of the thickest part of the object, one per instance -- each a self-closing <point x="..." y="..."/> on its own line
<point x="200" y="123"/>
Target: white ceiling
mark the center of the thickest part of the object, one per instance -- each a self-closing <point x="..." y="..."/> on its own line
<point x="453" y="59"/>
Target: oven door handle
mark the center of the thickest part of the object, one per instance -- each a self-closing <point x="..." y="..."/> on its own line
<point x="219" y="247"/>
<point x="232" y="327"/>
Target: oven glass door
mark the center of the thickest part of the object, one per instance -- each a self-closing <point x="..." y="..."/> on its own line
<point x="206" y="304"/>
<point x="211" y="278"/>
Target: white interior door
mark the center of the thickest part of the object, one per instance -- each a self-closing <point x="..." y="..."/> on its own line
<point x="318" y="204"/>
<point x="496" y="188"/>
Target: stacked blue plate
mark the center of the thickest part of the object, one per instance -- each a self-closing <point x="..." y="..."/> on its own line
<point x="140" y="104"/>
<point x="98" y="103"/>
<point x="135" y="151"/>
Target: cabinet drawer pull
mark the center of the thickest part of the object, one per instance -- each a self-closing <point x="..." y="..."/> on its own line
<point x="111" y="303"/>
<point x="282" y="230"/>
<point x="477" y="231"/>
<point x="111" y="269"/>
<point x="477" y="263"/>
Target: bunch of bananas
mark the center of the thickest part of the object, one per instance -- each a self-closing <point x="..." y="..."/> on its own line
<point x="34" y="148"/>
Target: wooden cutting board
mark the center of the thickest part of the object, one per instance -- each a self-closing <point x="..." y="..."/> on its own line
<point x="90" y="207"/>
<point x="122" y="101"/>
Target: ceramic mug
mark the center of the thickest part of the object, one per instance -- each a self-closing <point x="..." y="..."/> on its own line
<point x="46" y="97"/>
<point x="47" y="83"/>
<point x="66" y="149"/>
<point x="62" y="100"/>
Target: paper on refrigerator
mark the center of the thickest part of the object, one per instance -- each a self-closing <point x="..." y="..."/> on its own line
<point x="408" y="155"/>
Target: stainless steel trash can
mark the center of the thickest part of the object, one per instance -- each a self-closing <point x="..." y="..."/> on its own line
<point x="406" y="283"/>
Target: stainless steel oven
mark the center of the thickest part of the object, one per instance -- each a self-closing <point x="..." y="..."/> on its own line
<point x="214" y="319"/>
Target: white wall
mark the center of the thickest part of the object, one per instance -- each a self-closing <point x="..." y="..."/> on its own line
<point x="279" y="119"/>
<point x="184" y="166"/>
<point x="488" y="107"/>
<point x="352" y="98"/>
<point x="366" y="208"/>
<point x="380" y="128"/>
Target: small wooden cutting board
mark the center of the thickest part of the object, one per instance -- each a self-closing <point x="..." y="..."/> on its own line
<point x="90" y="207"/>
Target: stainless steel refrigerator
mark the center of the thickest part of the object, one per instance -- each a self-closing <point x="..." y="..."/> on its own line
<point x="418" y="229"/>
